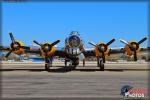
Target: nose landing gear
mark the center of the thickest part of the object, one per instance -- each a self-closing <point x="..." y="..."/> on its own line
<point x="73" y="63"/>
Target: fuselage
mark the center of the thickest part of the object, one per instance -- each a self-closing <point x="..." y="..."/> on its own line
<point x="74" y="46"/>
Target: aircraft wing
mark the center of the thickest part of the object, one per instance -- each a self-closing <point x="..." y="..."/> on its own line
<point x="33" y="51"/>
<point x="36" y="50"/>
<point x="122" y="50"/>
<point x="91" y="51"/>
<point x="116" y="50"/>
<point x="145" y="49"/>
<point x="4" y="48"/>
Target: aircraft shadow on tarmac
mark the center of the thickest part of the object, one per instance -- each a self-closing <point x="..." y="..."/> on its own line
<point x="62" y="69"/>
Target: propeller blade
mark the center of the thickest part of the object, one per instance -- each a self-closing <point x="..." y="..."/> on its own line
<point x="8" y="54"/>
<point x="37" y="43"/>
<point x="92" y="43"/>
<point x="135" y="56"/>
<point x="12" y="37"/>
<point x="54" y="43"/>
<point x="25" y="47"/>
<point x="110" y="42"/>
<point x="141" y="41"/>
<point x="123" y="41"/>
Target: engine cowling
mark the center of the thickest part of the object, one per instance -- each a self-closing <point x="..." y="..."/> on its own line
<point x="105" y="48"/>
<point x="102" y="49"/>
<point x="132" y="47"/>
<point x="19" y="50"/>
<point x="129" y="51"/>
<point x="47" y="49"/>
<point x="16" y="46"/>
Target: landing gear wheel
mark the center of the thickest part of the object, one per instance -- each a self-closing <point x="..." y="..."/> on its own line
<point x="47" y="66"/>
<point x="65" y="63"/>
<point x="75" y="63"/>
<point x="74" y="67"/>
<point x="101" y="65"/>
<point x="83" y="62"/>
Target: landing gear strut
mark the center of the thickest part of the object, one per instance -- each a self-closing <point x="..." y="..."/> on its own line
<point x="75" y="63"/>
<point x="48" y="64"/>
<point x="83" y="62"/>
<point x="66" y="62"/>
<point x="100" y="64"/>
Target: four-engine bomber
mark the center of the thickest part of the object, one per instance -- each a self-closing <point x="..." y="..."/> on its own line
<point x="74" y="50"/>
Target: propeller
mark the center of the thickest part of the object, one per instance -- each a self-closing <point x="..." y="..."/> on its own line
<point x="14" y="45"/>
<point x="102" y="47"/>
<point x="12" y="38"/>
<point x="110" y="42"/>
<point x="8" y="53"/>
<point x="56" y="42"/>
<point x="142" y="40"/>
<point x="46" y="47"/>
<point x="37" y="43"/>
<point x="92" y="43"/>
<point x="134" y="46"/>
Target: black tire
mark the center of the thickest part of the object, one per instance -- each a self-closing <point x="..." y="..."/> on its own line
<point x="65" y="63"/>
<point x="98" y="65"/>
<point x="74" y="66"/>
<point x="47" y="66"/>
<point x="84" y="63"/>
<point x="101" y="65"/>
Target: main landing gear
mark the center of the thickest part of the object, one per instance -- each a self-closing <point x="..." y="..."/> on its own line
<point x="66" y="60"/>
<point x="100" y="64"/>
<point x="48" y="64"/>
<point x="83" y="62"/>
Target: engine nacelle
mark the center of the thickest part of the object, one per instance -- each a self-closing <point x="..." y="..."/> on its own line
<point x="51" y="50"/>
<point x="129" y="50"/>
<point x="20" y="50"/>
<point x="106" y="49"/>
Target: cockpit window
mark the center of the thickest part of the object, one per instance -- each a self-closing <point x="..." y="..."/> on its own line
<point x="74" y="41"/>
<point x="74" y="33"/>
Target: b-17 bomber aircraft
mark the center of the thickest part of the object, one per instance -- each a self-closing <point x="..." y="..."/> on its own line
<point x="74" y="50"/>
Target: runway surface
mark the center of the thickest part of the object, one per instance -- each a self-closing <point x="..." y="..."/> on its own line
<point x="32" y="81"/>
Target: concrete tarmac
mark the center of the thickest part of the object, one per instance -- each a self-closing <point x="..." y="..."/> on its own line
<point x="32" y="81"/>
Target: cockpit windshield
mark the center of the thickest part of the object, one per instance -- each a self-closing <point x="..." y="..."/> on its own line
<point x="74" y="33"/>
<point x="74" y="41"/>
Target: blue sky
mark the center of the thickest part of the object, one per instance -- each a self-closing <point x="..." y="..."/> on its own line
<point x="95" y="21"/>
